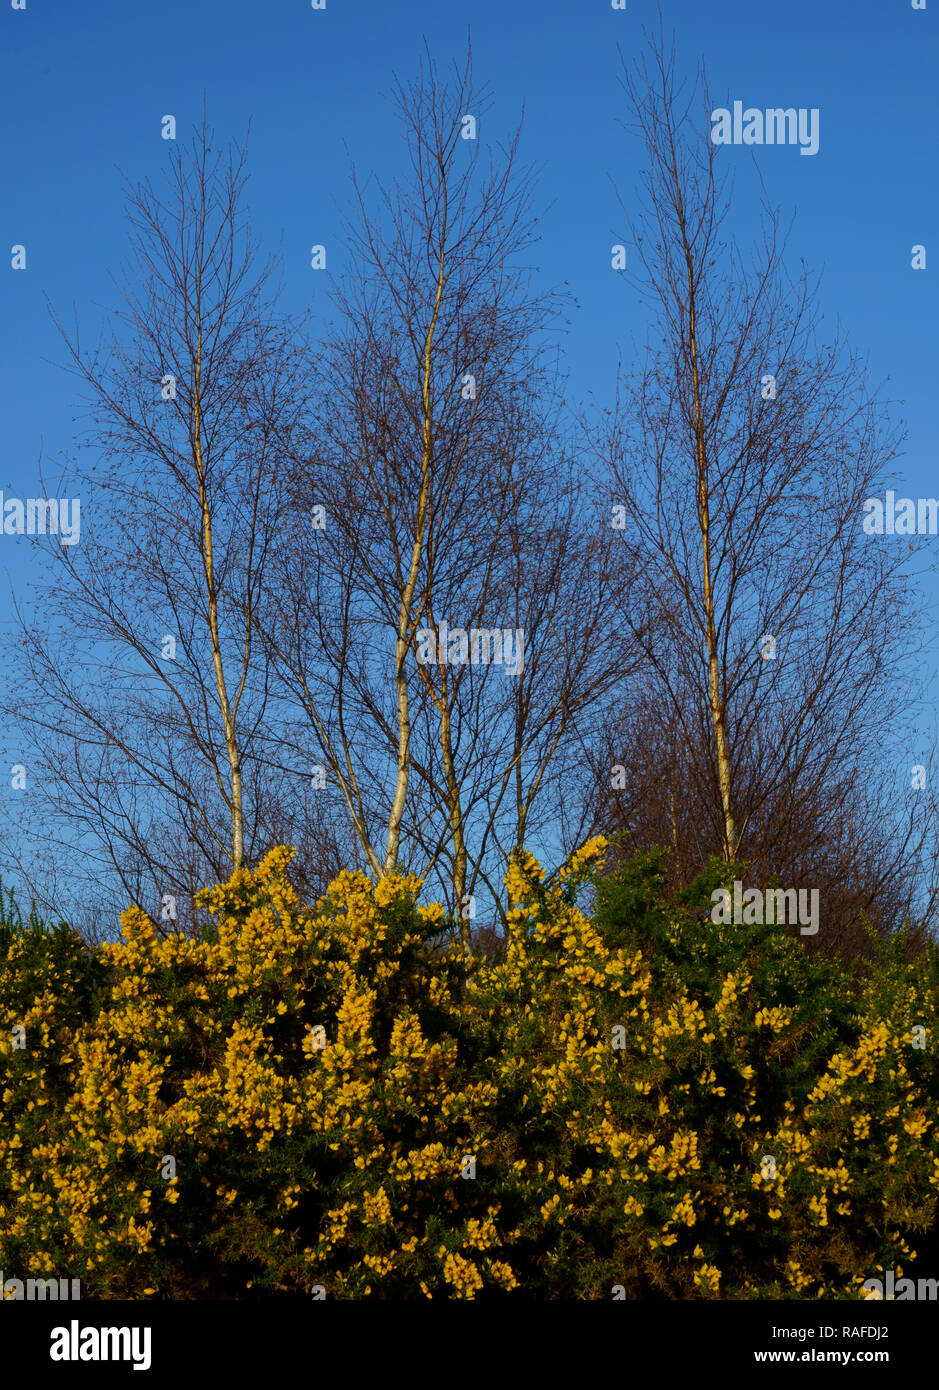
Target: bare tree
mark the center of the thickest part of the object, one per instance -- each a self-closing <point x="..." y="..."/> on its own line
<point x="143" y="687"/>
<point x="450" y="504"/>
<point x="777" y="636"/>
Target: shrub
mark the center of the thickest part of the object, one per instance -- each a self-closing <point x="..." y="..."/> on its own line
<point x="324" y="1096"/>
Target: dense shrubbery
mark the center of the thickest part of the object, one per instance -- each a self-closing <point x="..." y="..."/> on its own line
<point x="597" y="1108"/>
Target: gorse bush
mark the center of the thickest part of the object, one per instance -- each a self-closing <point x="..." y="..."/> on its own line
<point x="640" y="1100"/>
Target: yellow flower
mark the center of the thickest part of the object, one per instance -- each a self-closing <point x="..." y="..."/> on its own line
<point x="708" y="1278"/>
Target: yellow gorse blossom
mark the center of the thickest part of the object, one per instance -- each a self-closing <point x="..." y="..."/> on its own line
<point x="339" y="1106"/>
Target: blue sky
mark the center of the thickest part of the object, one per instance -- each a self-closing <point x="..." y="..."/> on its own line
<point x="84" y="87"/>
